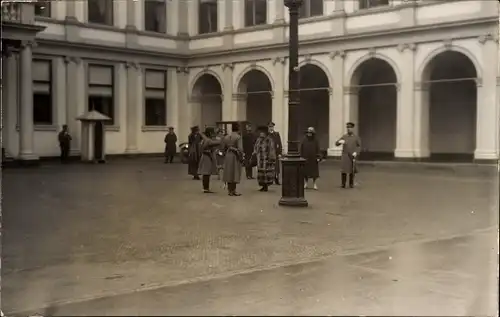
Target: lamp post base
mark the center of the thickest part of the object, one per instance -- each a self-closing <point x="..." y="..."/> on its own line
<point x="292" y="194"/>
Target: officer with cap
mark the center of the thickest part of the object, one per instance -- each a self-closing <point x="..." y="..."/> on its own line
<point x="351" y="146"/>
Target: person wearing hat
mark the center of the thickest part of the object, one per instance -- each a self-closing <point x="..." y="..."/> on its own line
<point x="265" y="155"/>
<point x="194" y="154"/>
<point x="208" y="162"/>
<point x="278" y="148"/>
<point x="233" y="162"/>
<point x="310" y="151"/>
<point x="249" y="139"/>
<point x="170" y="145"/>
<point x="351" y="146"/>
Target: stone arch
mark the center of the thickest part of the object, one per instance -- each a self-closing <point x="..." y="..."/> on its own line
<point x="254" y="97"/>
<point x="320" y="65"/>
<point x="206" y="99"/>
<point x="351" y="74"/>
<point x="449" y="101"/>
<point x="374" y="80"/>
<point x="249" y="69"/>
<point x="423" y="70"/>
<point x="315" y="89"/>
<point x="200" y="74"/>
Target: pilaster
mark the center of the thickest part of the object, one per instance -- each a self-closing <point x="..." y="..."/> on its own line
<point x="75" y="99"/>
<point x="405" y="103"/>
<point x="227" y="102"/>
<point x="278" y="20"/>
<point x="421" y="120"/>
<point x="173" y="98"/>
<point x="487" y="114"/>
<point x="183" y="17"/>
<point x="26" y="125"/>
<point x="134" y="102"/>
<point x="181" y="78"/>
<point x="350" y="108"/>
<point x="336" y="112"/>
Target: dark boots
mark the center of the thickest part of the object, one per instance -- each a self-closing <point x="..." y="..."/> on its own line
<point x="206" y="184"/>
<point x="351" y="180"/>
<point x="231" y="189"/>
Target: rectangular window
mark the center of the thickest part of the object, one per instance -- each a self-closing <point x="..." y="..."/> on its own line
<point x="42" y="92"/>
<point x="100" y="11"/>
<point x="155" y="16"/>
<point x="255" y="12"/>
<point x="367" y="4"/>
<point x="207" y="19"/>
<point x="42" y="9"/>
<point x="155" y="106"/>
<point x="100" y="91"/>
<point x="311" y="8"/>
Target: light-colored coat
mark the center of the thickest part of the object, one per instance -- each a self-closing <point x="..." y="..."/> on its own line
<point x="232" y="163"/>
<point x="208" y="161"/>
<point x="352" y="144"/>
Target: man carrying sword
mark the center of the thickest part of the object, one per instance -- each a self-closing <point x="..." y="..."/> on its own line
<point x="351" y="146"/>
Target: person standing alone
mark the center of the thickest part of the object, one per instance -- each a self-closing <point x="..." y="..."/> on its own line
<point x="170" y="145"/>
<point x="194" y="152"/>
<point x="64" y="143"/>
<point x="265" y="155"/>
<point x="309" y="150"/>
<point x="351" y="146"/>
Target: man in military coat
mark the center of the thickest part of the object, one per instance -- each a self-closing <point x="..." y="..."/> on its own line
<point x="351" y="146"/>
<point x="276" y="137"/>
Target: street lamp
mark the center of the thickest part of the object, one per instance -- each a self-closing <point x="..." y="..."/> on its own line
<point x="293" y="165"/>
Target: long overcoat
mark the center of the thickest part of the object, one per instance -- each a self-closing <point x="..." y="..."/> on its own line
<point x="194" y="153"/>
<point x="170" y="144"/>
<point x="310" y="151"/>
<point x="278" y="146"/>
<point x="264" y="149"/>
<point x="352" y="144"/>
<point x="232" y="162"/>
<point x="208" y="161"/>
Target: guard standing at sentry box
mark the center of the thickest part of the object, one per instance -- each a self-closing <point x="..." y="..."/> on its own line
<point x="351" y="146"/>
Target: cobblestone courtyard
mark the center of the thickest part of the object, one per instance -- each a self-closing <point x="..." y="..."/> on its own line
<point x="77" y="233"/>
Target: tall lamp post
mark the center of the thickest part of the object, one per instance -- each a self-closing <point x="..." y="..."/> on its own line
<point x="293" y="164"/>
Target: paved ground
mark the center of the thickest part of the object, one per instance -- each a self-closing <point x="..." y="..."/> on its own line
<point x="139" y="237"/>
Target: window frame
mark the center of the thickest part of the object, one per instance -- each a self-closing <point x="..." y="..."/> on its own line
<point x="163" y="91"/>
<point x="109" y="6"/>
<point x="48" y="11"/>
<point x="211" y="4"/>
<point x="306" y="6"/>
<point x="50" y="83"/>
<point x="254" y="13"/>
<point x="157" y="3"/>
<point x="369" y="4"/>
<point x="113" y="121"/>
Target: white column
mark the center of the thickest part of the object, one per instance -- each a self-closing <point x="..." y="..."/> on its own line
<point x="279" y="6"/>
<point x="172" y="14"/>
<point x="421" y="123"/>
<point x="239" y="107"/>
<point x="75" y="100"/>
<point x="487" y="113"/>
<point x="227" y="101"/>
<point x="405" y="103"/>
<point x="131" y="21"/>
<point x="183" y="126"/>
<point x="173" y="99"/>
<point x="9" y="102"/>
<point x="59" y="90"/>
<point x="339" y="5"/>
<point x="133" y="103"/>
<point x="192" y="12"/>
<point x="26" y="125"/>
<point x="336" y="112"/>
<point x="351" y="106"/>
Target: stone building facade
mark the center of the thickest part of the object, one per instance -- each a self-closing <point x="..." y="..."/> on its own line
<point x="420" y="78"/>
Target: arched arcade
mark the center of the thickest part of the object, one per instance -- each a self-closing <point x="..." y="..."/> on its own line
<point x="206" y="101"/>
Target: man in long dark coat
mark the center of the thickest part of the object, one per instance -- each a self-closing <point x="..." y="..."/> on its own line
<point x="64" y="139"/>
<point x="310" y="151"/>
<point x="249" y="139"/>
<point x="233" y="162"/>
<point x="351" y="146"/>
<point x="278" y="149"/>
<point x="194" y="152"/>
<point x="170" y="145"/>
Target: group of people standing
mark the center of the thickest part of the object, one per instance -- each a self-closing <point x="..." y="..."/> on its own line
<point x="214" y="151"/>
